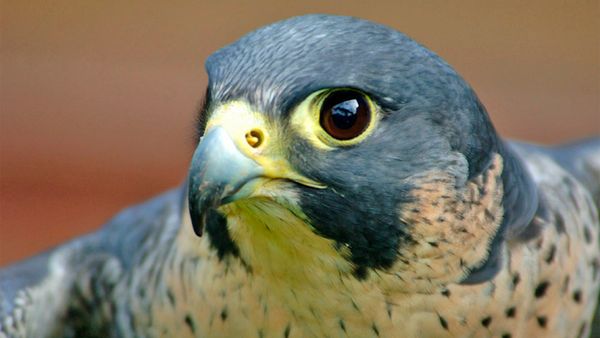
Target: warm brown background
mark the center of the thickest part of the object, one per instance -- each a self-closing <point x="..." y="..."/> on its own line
<point x="97" y="98"/>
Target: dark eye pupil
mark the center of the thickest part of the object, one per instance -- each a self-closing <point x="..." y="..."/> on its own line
<point x="344" y="114"/>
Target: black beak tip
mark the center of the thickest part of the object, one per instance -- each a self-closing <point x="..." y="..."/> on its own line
<point x="198" y="226"/>
<point x="198" y="219"/>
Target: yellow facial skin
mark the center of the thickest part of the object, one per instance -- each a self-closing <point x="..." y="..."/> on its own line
<point x="257" y="139"/>
<point x="261" y="140"/>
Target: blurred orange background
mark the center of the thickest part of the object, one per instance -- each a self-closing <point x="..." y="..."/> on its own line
<point x="98" y="98"/>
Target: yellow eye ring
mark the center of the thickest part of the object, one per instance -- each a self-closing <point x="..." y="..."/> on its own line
<point x="338" y="117"/>
<point x="345" y="116"/>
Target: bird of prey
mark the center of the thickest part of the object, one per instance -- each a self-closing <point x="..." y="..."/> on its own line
<point x="347" y="183"/>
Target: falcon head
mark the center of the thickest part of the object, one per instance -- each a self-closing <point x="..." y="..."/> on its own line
<point x="333" y="144"/>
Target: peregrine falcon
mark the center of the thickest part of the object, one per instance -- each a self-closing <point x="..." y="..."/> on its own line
<point x="347" y="182"/>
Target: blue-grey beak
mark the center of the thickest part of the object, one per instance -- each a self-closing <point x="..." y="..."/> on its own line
<point x="217" y="175"/>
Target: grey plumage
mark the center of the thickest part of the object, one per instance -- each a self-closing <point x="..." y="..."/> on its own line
<point x="71" y="291"/>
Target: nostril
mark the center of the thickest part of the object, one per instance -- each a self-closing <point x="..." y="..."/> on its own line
<point x="254" y="138"/>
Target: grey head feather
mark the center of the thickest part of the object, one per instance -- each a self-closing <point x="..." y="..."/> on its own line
<point x="279" y="64"/>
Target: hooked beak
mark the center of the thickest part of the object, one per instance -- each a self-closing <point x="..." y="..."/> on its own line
<point x="217" y="176"/>
<point x="230" y="165"/>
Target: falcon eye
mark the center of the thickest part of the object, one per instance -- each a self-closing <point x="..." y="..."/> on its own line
<point x="345" y="114"/>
